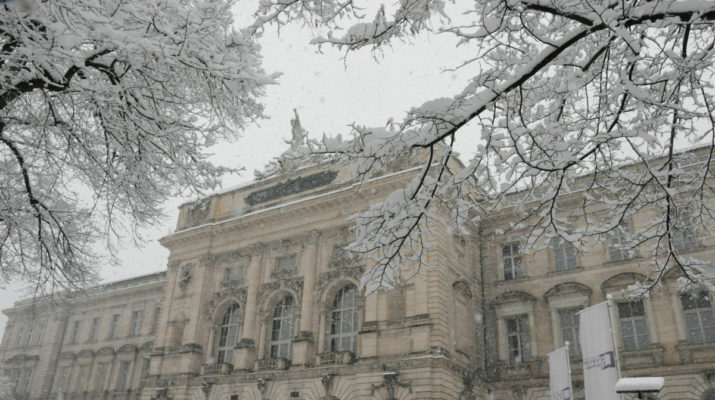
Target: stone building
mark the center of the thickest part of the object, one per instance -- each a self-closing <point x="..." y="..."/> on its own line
<point x="259" y="301"/>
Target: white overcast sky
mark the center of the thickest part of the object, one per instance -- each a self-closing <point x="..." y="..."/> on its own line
<point x="328" y="93"/>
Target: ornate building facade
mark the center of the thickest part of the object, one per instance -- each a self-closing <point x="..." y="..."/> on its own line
<point x="259" y="301"/>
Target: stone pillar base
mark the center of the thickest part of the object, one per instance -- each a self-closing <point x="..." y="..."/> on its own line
<point x="303" y="349"/>
<point x="245" y="354"/>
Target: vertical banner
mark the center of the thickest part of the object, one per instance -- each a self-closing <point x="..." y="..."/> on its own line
<point x="600" y="371"/>
<point x="560" y="374"/>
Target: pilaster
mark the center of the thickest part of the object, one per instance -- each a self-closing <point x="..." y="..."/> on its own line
<point x="304" y="343"/>
<point x="246" y="348"/>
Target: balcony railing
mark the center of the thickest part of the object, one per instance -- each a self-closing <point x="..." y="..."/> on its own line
<point x="216" y="369"/>
<point x="696" y="353"/>
<point x="526" y="369"/>
<point x="273" y="364"/>
<point x="644" y="358"/>
<point x="335" y="357"/>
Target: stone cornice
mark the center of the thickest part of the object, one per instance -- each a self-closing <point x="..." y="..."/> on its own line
<point x="299" y="207"/>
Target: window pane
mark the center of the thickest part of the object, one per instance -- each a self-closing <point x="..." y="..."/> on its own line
<point x="282" y="329"/>
<point x="559" y="259"/>
<point x="343" y="329"/>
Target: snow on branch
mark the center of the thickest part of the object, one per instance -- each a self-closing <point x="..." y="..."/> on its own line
<point x="106" y="109"/>
<point x="581" y="106"/>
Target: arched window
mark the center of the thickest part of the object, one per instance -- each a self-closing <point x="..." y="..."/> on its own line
<point x="282" y="329"/>
<point x="344" y="320"/>
<point x="228" y="335"/>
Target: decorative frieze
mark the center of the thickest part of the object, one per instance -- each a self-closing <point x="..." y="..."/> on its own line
<point x="218" y="297"/>
<point x="326" y="278"/>
<point x="290" y="187"/>
<point x="294" y="285"/>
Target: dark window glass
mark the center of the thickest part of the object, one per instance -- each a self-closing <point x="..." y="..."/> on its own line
<point x="282" y="329"/>
<point x="698" y="313"/>
<point x="344" y="320"/>
<point x="634" y="328"/>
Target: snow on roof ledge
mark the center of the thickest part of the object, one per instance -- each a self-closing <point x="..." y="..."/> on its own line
<point x="640" y="384"/>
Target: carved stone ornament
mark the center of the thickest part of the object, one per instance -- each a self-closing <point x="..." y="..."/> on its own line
<point x="326" y="278"/>
<point x="240" y="293"/>
<point x="261" y="385"/>
<point x="390" y="384"/>
<point x="327" y="381"/>
<point x="161" y="394"/>
<point x="295" y="285"/>
<point x="206" y="387"/>
<point x="185" y="277"/>
<point x="290" y="187"/>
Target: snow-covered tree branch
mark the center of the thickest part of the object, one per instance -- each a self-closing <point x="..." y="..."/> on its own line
<point x="106" y="110"/>
<point x="574" y="98"/>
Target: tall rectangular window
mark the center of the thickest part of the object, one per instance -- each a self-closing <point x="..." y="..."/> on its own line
<point x="28" y="336"/>
<point x="564" y="255"/>
<point x="618" y="245"/>
<point x="682" y="234"/>
<point x="568" y="320"/>
<point x="93" y="329"/>
<point x="74" y="332"/>
<point x="518" y="338"/>
<point x="511" y="261"/>
<point x="699" y="320"/>
<point x="82" y="378"/>
<point x="137" y="317"/>
<point x="145" y="367"/>
<point x="634" y="327"/>
<point x="65" y="381"/>
<point x="155" y="320"/>
<point x="24" y="384"/>
<point x="20" y="335"/>
<point x="123" y="377"/>
<point x="39" y="334"/>
<point x="114" y="326"/>
<point x="14" y="375"/>
<point x="102" y="373"/>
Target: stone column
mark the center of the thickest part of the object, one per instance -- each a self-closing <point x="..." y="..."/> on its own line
<point x="246" y="347"/>
<point x="303" y="344"/>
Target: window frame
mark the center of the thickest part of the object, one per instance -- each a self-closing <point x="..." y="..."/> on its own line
<point x="20" y="334"/>
<point x="101" y="375"/>
<point x="114" y="326"/>
<point x="698" y="311"/>
<point x="560" y="248"/>
<point x="123" y="376"/>
<point x="515" y="259"/>
<point x="94" y="329"/>
<point x="340" y="310"/>
<point x="286" y="315"/>
<point x="523" y="336"/>
<point x="683" y="238"/>
<point x="574" y="345"/>
<point x="224" y="352"/>
<point x="136" y="323"/>
<point x="155" y="320"/>
<point x="617" y="242"/>
<point x="74" y="332"/>
<point x="632" y="320"/>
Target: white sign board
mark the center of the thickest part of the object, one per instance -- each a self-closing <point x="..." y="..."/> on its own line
<point x="600" y="372"/>
<point x="560" y="374"/>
